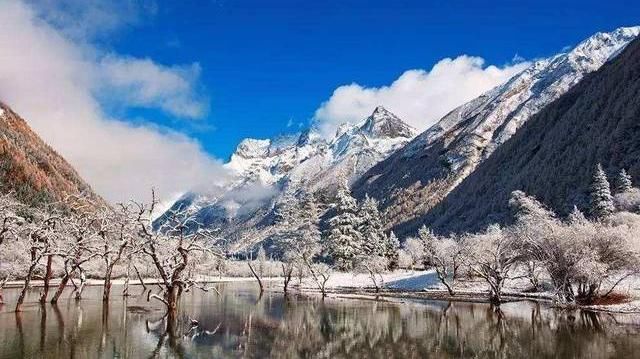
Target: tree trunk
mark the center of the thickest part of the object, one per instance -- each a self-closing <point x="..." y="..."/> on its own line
<point x="125" y="291"/>
<point x="172" y="298"/>
<point x="83" y="281"/>
<point x="47" y="279"/>
<point x="286" y="272"/>
<point x="61" y="286"/>
<point x="27" y="283"/>
<point x="107" y="283"/>
<point x="257" y="277"/>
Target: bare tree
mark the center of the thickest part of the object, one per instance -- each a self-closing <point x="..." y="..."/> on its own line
<point x="445" y="255"/>
<point x="170" y="248"/>
<point x="492" y="255"/>
<point x="10" y="223"/>
<point x="373" y="266"/>
<point x="320" y="273"/>
<point x="116" y="229"/>
<point x="79" y="245"/>
<point x="41" y="230"/>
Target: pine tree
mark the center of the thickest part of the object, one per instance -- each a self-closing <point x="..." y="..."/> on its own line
<point x="392" y="247"/>
<point x="428" y="238"/>
<point x="576" y="216"/>
<point x="601" y="204"/>
<point x="309" y="229"/>
<point x="344" y="238"/>
<point x="373" y="238"/>
<point x="623" y="182"/>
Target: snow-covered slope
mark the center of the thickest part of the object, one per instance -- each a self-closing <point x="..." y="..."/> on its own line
<point x="264" y="170"/>
<point x="417" y="177"/>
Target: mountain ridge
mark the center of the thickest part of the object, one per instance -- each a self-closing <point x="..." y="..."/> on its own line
<point x="418" y="176"/>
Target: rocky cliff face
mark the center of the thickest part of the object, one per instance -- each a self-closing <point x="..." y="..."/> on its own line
<point x="30" y="168"/>
<point x="417" y="177"/>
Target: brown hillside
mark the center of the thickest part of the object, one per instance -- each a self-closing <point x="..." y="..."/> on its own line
<point x="32" y="169"/>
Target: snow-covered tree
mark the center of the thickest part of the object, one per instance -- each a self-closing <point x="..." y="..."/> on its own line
<point x="445" y="255"/>
<point x="576" y="216"/>
<point x="414" y="248"/>
<point x="392" y="248"/>
<point x="261" y="257"/>
<point x="171" y="248"/>
<point x="297" y="234"/>
<point x="373" y="266"/>
<point x="623" y="182"/>
<point x="371" y="228"/>
<point x="601" y="201"/>
<point x="345" y="239"/>
<point x="493" y="255"/>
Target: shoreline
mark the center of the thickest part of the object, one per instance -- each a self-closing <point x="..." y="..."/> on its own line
<point x="389" y="294"/>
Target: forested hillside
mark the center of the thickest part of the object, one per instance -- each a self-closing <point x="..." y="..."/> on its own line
<point x="554" y="155"/>
<point x="30" y="168"/>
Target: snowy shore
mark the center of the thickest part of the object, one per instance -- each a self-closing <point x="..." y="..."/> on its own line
<point x="398" y="285"/>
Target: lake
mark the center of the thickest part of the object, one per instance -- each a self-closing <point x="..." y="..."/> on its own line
<point x="239" y="323"/>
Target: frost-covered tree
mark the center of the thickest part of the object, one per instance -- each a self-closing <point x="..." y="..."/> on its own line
<point x="601" y="201"/>
<point x="493" y="255"/>
<point x="623" y="182"/>
<point x="445" y="255"/>
<point x="297" y="234"/>
<point x="392" y="250"/>
<point x="261" y="257"/>
<point x="171" y="248"/>
<point x="372" y="229"/>
<point x="373" y="266"/>
<point x="345" y="239"/>
<point x="414" y="248"/>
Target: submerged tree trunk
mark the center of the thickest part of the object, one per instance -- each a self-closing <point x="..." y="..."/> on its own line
<point x="287" y="272"/>
<point x="125" y="291"/>
<point x="257" y="277"/>
<point x="47" y="279"/>
<point x="83" y="281"/>
<point x="27" y="281"/>
<point x="107" y="283"/>
<point x="63" y="283"/>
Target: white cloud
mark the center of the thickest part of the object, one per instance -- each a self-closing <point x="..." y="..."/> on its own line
<point x="55" y="83"/>
<point x="141" y="82"/>
<point x="419" y="97"/>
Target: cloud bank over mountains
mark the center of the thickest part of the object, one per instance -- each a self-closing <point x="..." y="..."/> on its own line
<point x="419" y="97"/>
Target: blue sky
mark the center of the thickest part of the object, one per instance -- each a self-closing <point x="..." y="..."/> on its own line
<point x="269" y="63"/>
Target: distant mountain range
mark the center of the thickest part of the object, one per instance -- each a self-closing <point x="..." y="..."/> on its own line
<point x="265" y="170"/>
<point x="410" y="176"/>
<point x="420" y="175"/>
<point x="32" y="170"/>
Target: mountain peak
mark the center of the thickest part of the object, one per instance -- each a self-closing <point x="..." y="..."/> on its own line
<point x="383" y="123"/>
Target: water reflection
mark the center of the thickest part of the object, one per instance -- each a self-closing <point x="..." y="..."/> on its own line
<point x="240" y="323"/>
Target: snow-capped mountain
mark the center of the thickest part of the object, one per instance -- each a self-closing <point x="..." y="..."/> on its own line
<point x="265" y="169"/>
<point x="417" y="177"/>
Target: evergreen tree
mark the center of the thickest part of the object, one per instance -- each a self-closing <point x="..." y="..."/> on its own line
<point x="428" y="238"/>
<point x="601" y="204"/>
<point x="373" y="238"/>
<point x="309" y="229"/>
<point x="392" y="248"/>
<point x="623" y="182"/>
<point x="576" y="216"/>
<point x="344" y="237"/>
